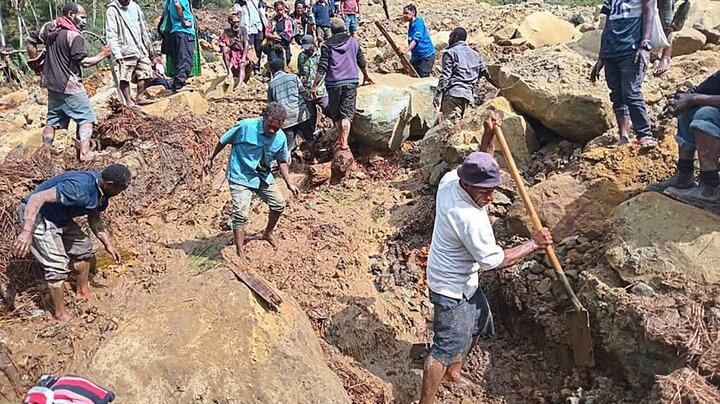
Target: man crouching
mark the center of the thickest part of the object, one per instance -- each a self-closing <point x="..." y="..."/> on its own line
<point x="256" y="143"/>
<point x="463" y="243"/>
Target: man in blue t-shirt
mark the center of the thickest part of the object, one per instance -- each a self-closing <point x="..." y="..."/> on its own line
<point x="256" y="144"/>
<point x="182" y="40"/>
<point x="420" y="45"/>
<point x="50" y="232"/>
<point x="625" y="53"/>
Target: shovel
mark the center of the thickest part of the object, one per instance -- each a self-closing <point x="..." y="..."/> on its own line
<point x="578" y="321"/>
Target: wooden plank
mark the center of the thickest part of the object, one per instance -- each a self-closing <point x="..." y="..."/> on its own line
<point x="403" y="59"/>
<point x="255" y="283"/>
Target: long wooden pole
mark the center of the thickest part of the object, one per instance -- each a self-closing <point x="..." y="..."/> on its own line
<point x="409" y="69"/>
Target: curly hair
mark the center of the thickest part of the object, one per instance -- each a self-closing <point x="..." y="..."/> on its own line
<point x="275" y="110"/>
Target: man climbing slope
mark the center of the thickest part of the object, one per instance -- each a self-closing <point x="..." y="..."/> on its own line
<point x="55" y="239"/>
<point x="256" y="143"/>
<point x="62" y="76"/>
<point x="463" y="243"/>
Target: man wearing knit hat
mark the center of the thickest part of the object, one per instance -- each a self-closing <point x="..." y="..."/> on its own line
<point x="463" y="243"/>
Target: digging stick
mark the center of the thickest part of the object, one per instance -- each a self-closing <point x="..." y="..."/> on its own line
<point x="409" y="69"/>
<point x="578" y="320"/>
<point x="385" y="8"/>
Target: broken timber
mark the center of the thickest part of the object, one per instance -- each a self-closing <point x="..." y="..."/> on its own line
<point x="409" y="69"/>
<point x="385" y="8"/>
<point x="256" y="284"/>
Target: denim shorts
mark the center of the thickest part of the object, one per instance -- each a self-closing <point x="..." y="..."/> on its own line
<point x="456" y="323"/>
<point x="706" y="119"/>
<point x="65" y="107"/>
<point x="351" y="22"/>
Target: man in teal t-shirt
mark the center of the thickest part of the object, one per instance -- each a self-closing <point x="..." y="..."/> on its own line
<point x="256" y="144"/>
<point x="419" y="43"/>
<point x="182" y="40"/>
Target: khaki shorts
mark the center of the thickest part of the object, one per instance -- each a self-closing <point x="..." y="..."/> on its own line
<point x="55" y="246"/>
<point x="241" y="197"/>
<point x="134" y="69"/>
<point x="453" y="107"/>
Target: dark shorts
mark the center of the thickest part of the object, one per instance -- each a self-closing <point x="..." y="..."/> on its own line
<point x="424" y="67"/>
<point x="456" y="323"/>
<point x="65" y="107"/>
<point x="453" y="107"/>
<point x="341" y="101"/>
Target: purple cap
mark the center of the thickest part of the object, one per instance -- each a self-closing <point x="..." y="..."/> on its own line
<point x="480" y="170"/>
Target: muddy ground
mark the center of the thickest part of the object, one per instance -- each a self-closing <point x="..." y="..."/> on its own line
<point x="352" y="256"/>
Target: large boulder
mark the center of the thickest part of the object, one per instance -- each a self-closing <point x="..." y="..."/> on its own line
<point x="551" y="85"/>
<point x="588" y="44"/>
<point x="167" y="107"/>
<point x="687" y="41"/>
<point x="566" y="206"/>
<point x="440" y="40"/>
<point x="652" y="238"/>
<point x="542" y="28"/>
<point x="703" y="12"/>
<point x="393" y="109"/>
<point x="222" y="347"/>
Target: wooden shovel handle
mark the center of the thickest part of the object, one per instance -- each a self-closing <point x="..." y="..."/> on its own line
<point x="522" y="191"/>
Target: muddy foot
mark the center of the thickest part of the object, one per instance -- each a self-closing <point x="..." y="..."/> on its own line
<point x="84" y="296"/>
<point x="621" y="141"/>
<point x="459" y="381"/>
<point x="63" y="318"/>
<point x="675" y="181"/>
<point x="662" y="67"/>
<point x="144" y="101"/>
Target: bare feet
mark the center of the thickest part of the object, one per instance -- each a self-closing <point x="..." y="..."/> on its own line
<point x="663" y="66"/>
<point x="143" y="101"/>
<point x="84" y="296"/>
<point x="89" y="156"/>
<point x="623" y="139"/>
<point x="241" y="257"/>
<point x="459" y="380"/>
<point x="270" y="239"/>
<point x="678" y="180"/>
<point x="62" y="317"/>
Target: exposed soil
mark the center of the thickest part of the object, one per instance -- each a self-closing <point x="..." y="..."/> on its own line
<point x="353" y="258"/>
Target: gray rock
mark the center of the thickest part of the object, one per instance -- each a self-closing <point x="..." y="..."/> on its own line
<point x="544" y="286"/>
<point x="642" y="289"/>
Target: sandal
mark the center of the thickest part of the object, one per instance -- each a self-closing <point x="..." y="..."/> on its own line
<point x="647" y="142"/>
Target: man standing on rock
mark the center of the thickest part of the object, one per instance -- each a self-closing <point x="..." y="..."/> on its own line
<point x="350" y="10"/>
<point x="665" y="10"/>
<point x="698" y="113"/>
<point x="463" y="243"/>
<point x="132" y="47"/>
<point x="340" y="59"/>
<point x="625" y="53"/>
<point x="287" y="90"/>
<point x="322" y="12"/>
<point x="419" y="43"/>
<point x="308" y="62"/>
<point x="62" y="76"/>
<point x="254" y="19"/>
<point x="182" y="39"/>
<point x="50" y="232"/>
<point x="461" y="69"/>
<point x="256" y="143"/>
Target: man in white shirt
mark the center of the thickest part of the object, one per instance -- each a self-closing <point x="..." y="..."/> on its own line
<point x="252" y="17"/>
<point x="462" y="244"/>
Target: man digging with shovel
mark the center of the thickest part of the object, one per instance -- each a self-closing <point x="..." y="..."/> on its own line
<point x="463" y="243"/>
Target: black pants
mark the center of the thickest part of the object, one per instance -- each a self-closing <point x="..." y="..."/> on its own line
<point x="183" y="54"/>
<point x="424" y="67"/>
<point x="280" y="52"/>
<point x="256" y="41"/>
<point x="160" y="81"/>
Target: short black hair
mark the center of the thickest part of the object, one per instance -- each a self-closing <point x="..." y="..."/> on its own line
<point x="275" y="110"/>
<point x="276" y="65"/>
<point x="71" y="8"/>
<point x="278" y="3"/>
<point x="411" y="7"/>
<point x="118" y="174"/>
<point x="460" y="33"/>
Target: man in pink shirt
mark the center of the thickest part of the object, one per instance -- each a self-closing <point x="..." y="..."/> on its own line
<point x="350" y="10"/>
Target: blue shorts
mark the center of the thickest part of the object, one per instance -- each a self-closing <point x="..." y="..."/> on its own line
<point x="705" y="119"/>
<point x="65" y="107"/>
<point x="351" y="22"/>
<point x="456" y="323"/>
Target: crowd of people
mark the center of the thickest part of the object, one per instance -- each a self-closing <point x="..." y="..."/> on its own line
<point x="326" y="81"/>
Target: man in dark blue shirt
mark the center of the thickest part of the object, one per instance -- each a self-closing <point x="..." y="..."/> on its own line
<point x="50" y="232"/>
<point x="323" y="11"/>
<point x="420" y="45"/>
<point x="625" y="53"/>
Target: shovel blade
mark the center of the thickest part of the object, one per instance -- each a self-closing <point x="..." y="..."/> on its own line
<point x="582" y="346"/>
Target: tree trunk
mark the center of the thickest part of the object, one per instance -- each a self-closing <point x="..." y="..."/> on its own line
<point x="20" y="31"/>
<point x="94" y="7"/>
<point x="37" y="21"/>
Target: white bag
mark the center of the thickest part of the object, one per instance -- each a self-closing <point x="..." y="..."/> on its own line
<point x="658" y="38"/>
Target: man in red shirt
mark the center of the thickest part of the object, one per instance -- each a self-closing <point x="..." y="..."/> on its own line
<point x="350" y="10"/>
